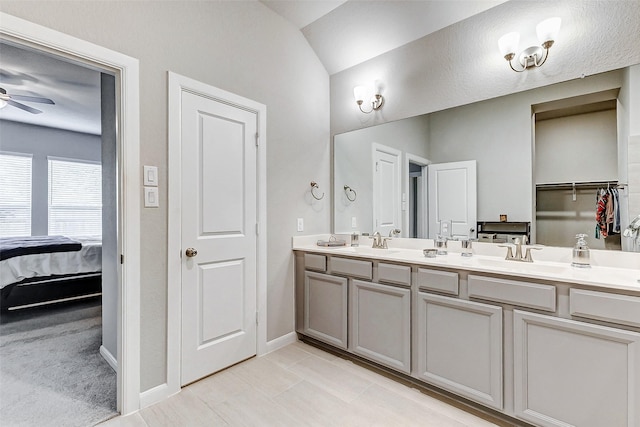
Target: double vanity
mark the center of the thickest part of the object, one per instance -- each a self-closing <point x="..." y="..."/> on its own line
<point x="541" y="342"/>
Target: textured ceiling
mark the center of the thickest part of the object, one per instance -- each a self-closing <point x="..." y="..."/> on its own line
<point x="344" y="34"/>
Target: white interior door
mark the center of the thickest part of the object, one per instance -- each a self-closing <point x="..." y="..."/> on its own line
<point x="387" y="191"/>
<point x="452" y="197"/>
<point x="218" y="221"/>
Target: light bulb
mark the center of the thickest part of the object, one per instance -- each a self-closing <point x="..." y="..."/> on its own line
<point x="508" y="44"/>
<point x="548" y="29"/>
<point x="360" y="93"/>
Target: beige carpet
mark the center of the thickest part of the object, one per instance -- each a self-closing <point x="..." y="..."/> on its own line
<point x="51" y="370"/>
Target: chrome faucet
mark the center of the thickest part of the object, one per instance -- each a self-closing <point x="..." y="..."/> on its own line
<point x="395" y="232"/>
<point x="378" y="241"/>
<point x="518" y="255"/>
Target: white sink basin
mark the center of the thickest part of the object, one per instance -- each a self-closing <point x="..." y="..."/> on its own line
<point x="366" y="250"/>
<point x="531" y="267"/>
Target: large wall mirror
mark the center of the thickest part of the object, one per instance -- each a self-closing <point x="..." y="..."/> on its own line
<point x="539" y="157"/>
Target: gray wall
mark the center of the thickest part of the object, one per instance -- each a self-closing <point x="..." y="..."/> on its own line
<point x="353" y="166"/>
<point x="242" y="47"/>
<point x="578" y="148"/>
<point x="498" y="134"/>
<point x="42" y="142"/>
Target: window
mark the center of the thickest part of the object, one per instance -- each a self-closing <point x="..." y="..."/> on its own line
<point x="15" y="195"/>
<point x="75" y="198"/>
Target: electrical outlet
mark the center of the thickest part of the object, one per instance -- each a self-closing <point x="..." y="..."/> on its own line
<point x="300" y="224"/>
<point x="354" y="222"/>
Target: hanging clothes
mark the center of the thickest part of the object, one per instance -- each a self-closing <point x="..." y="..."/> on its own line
<point x="616" y="204"/>
<point x="601" y="214"/>
<point x="607" y="212"/>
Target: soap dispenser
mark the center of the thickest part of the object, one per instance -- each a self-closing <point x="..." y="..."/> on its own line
<point x="581" y="253"/>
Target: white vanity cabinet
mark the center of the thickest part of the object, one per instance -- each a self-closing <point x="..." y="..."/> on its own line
<point x="380" y="323"/>
<point x="575" y="373"/>
<point x="460" y="347"/>
<point x="325" y="308"/>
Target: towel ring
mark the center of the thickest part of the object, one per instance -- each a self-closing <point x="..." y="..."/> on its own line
<point x="348" y="189"/>
<point x="314" y="186"/>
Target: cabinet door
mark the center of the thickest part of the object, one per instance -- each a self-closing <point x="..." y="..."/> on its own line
<point x="325" y="308"/>
<point x="575" y="373"/>
<point x="381" y="324"/>
<point x="460" y="347"/>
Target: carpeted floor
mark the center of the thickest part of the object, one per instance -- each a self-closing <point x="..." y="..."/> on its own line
<point x="51" y="370"/>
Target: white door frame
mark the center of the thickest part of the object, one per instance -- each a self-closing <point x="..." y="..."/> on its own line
<point x="178" y="84"/>
<point x="424" y="221"/>
<point x="126" y="70"/>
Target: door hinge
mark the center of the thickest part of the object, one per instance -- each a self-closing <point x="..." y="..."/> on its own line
<point x="257" y="228"/>
<point x="376" y="166"/>
<point x="257" y="318"/>
<point x="257" y="139"/>
<point x="121" y="259"/>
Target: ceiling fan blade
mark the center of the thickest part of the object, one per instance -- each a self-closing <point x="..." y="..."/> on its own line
<point x="32" y="99"/>
<point x="24" y="107"/>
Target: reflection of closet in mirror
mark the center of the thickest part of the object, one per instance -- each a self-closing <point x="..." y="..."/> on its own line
<point x="576" y="155"/>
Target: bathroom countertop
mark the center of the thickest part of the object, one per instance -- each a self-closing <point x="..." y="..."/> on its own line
<point x="624" y="279"/>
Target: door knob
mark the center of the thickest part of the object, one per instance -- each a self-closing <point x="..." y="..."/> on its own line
<point x="191" y="252"/>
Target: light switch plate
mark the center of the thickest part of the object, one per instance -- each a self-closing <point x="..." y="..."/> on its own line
<point x="150" y="176"/>
<point x="300" y="224"/>
<point x="151" y="197"/>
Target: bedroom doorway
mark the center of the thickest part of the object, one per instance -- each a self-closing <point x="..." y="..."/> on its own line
<point x="124" y="73"/>
<point x="60" y="315"/>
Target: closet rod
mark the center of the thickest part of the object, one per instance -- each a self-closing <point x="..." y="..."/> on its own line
<point x="571" y="185"/>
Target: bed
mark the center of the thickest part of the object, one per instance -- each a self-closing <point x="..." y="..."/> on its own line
<point x="38" y="269"/>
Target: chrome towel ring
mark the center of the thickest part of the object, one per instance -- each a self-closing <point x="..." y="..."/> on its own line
<point x="348" y="190"/>
<point x="314" y="186"/>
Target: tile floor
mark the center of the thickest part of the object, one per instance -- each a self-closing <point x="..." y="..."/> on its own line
<point x="301" y="385"/>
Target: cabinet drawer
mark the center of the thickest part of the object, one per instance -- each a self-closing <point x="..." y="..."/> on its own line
<point x="352" y="267"/>
<point x="523" y="294"/>
<point x="315" y="262"/>
<point x="441" y="281"/>
<point x="614" y="308"/>
<point x="398" y="274"/>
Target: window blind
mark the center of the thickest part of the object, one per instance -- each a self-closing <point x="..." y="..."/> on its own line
<point x="15" y="195"/>
<point x="75" y="198"/>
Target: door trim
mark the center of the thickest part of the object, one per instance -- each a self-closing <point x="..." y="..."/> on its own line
<point x="412" y="158"/>
<point x="176" y="85"/>
<point x="126" y="70"/>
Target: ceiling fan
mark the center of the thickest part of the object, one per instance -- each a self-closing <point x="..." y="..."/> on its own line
<point x="6" y="99"/>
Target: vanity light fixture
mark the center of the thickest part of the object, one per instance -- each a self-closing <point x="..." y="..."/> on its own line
<point x="360" y="93"/>
<point x="533" y="56"/>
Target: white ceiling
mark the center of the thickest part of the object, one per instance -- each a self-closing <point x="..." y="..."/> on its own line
<point x="342" y="33"/>
<point x="347" y="33"/>
<point x="74" y="89"/>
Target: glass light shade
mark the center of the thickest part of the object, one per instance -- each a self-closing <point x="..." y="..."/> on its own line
<point x="3" y="103"/>
<point x="509" y="43"/>
<point x="548" y="29"/>
<point x="361" y="93"/>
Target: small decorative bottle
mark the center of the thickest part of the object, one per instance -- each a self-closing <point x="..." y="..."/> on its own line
<point x="581" y="253"/>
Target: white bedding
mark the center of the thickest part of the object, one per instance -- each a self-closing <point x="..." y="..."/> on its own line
<point x="86" y="260"/>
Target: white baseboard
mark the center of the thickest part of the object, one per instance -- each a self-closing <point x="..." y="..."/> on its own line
<point x="155" y="395"/>
<point x="106" y="355"/>
<point x="282" y="341"/>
